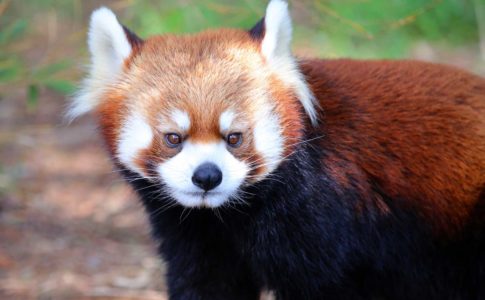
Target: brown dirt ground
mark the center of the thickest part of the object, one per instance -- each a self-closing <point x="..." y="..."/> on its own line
<point x="69" y="227"/>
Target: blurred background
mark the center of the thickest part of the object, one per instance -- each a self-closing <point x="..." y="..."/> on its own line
<point x="69" y="227"/>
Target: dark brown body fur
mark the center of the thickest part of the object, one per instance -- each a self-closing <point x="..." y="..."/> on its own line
<point x="383" y="200"/>
<point x="416" y="129"/>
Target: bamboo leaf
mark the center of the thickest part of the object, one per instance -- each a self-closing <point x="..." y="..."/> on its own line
<point x="51" y="69"/>
<point x="32" y="96"/>
<point x="9" y="73"/>
<point x="63" y="86"/>
<point x="13" y="31"/>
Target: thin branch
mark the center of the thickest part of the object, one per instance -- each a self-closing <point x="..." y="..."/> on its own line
<point x="413" y="16"/>
<point x="356" y="26"/>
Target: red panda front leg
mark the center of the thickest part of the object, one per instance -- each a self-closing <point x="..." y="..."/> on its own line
<point x="202" y="261"/>
<point x="212" y="280"/>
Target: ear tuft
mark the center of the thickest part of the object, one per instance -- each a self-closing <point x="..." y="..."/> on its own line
<point x="257" y="32"/>
<point x="278" y="30"/>
<point x="109" y="44"/>
<point x="135" y="40"/>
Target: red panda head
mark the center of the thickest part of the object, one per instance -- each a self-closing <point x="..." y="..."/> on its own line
<point x="201" y="114"/>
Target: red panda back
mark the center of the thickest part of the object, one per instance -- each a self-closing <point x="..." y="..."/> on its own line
<point x="413" y="130"/>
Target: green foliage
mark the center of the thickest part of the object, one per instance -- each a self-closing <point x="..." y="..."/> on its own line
<point x="10" y="68"/>
<point x="32" y="95"/>
<point x="332" y="28"/>
<point x="355" y="28"/>
<point x="13" y="31"/>
<point x="175" y="17"/>
<point x="10" y="64"/>
<point x="384" y="28"/>
<point x="14" y="70"/>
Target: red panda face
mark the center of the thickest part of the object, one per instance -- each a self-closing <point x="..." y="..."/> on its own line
<point x="191" y="102"/>
<point x="202" y="115"/>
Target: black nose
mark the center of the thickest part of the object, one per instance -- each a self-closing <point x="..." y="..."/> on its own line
<point x="207" y="176"/>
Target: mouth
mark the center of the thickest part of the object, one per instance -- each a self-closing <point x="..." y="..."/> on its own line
<point x="203" y="195"/>
<point x="202" y="199"/>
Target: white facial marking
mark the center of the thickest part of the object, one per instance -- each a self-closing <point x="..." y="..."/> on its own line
<point x="268" y="139"/>
<point x="225" y="120"/>
<point x="109" y="47"/>
<point x="135" y="135"/>
<point x="181" y="118"/>
<point x="276" y="47"/>
<point x="177" y="174"/>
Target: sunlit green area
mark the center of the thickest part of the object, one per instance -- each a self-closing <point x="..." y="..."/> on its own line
<point x="42" y="42"/>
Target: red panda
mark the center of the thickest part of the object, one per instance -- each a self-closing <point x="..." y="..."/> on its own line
<point x="316" y="179"/>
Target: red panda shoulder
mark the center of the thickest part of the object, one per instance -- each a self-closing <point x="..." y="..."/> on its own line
<point x="415" y="131"/>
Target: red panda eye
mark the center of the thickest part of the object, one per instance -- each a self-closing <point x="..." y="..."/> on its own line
<point x="173" y="140"/>
<point x="234" y="139"/>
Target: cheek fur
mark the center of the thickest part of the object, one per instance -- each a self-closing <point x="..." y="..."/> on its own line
<point x="247" y="152"/>
<point x="289" y="112"/>
<point x="110" y="115"/>
<point x="148" y="159"/>
<point x="268" y="139"/>
<point x="136" y="136"/>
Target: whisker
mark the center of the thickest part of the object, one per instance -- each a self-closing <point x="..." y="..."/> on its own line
<point x="218" y="214"/>
<point x="182" y="218"/>
<point x="163" y="208"/>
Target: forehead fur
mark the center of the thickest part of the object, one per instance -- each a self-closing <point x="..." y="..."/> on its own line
<point x="203" y="75"/>
<point x="195" y="67"/>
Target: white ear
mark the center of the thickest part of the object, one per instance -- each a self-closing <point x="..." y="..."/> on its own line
<point x="277" y="36"/>
<point x="107" y="43"/>
<point x="276" y="48"/>
<point x="109" y="47"/>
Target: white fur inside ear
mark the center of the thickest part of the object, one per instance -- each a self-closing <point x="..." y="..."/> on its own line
<point x="276" y="48"/>
<point x="107" y="42"/>
<point x="109" y="47"/>
<point x="277" y="26"/>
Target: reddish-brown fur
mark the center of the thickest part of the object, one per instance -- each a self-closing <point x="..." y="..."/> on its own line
<point x="416" y="130"/>
<point x="111" y="113"/>
<point x="190" y="73"/>
<point x="290" y="112"/>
